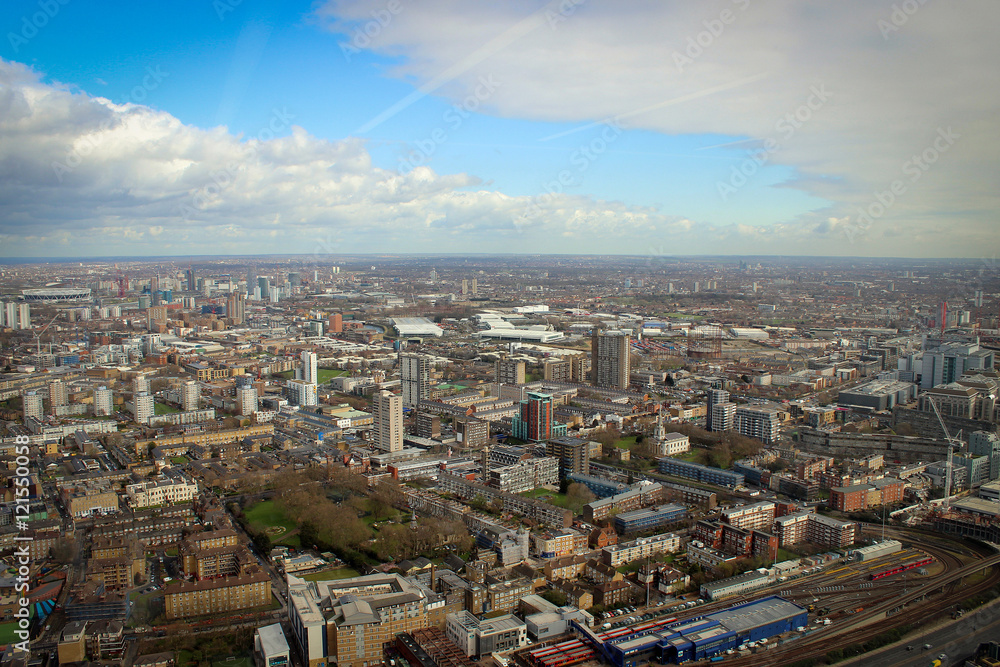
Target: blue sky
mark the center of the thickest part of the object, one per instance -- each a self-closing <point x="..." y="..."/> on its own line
<point x="510" y="129"/>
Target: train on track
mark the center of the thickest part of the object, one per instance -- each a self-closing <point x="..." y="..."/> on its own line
<point x="902" y="568"/>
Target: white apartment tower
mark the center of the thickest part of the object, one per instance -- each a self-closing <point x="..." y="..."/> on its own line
<point x="415" y="372"/>
<point x="388" y="409"/>
<point x="104" y="402"/>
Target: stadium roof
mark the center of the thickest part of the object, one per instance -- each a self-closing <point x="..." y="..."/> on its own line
<point x="55" y="294"/>
<point x="416" y="326"/>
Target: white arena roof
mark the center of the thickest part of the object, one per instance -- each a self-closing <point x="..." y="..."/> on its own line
<point x="55" y="294"/>
<point x="416" y="326"/>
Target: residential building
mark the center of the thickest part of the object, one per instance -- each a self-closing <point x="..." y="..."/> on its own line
<point x="509" y="371"/>
<point x="310" y="370"/>
<point x="143" y="407"/>
<point x="301" y="393"/>
<point x="701" y="473"/>
<point x="757" y="516"/>
<point x="573" y="454"/>
<point x="648" y="518"/>
<point x="32" y="404"/>
<point x="104" y="402"/>
<point x="758" y="422"/>
<point x="246" y="400"/>
<point x="472" y="432"/>
<point x="161" y="492"/>
<point x="388" y="427"/>
<point x="714" y="397"/>
<point x="58" y="395"/>
<point x="617" y="555"/>
<point x="611" y="360"/>
<point x="415" y="374"/>
<point x="190" y="396"/>
<point x="534" y="421"/>
<point x="214" y="596"/>
<point x="723" y="416"/>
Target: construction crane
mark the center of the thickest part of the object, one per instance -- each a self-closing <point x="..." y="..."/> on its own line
<point x="122" y="281"/>
<point x="952" y="442"/>
<point x="38" y="336"/>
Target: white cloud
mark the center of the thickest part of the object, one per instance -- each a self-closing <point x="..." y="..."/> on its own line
<point x="890" y="74"/>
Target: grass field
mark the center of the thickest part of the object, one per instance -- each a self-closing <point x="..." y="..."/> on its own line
<point x="232" y="661"/>
<point x="268" y="513"/>
<point x="328" y="575"/>
<point x="164" y="409"/>
<point x="784" y="554"/>
<point x="551" y="497"/>
<point x="626" y="443"/>
<point x="178" y="460"/>
<point x="7" y="635"/>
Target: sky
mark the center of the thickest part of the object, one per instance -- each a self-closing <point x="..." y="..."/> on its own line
<point x="640" y="127"/>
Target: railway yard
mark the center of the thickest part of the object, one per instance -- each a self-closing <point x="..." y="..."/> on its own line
<point x="849" y="602"/>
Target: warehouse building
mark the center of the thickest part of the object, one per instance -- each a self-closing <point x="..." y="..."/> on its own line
<point x="876" y="550"/>
<point x="879" y="395"/>
<point x="706" y="636"/>
<point x="743" y="583"/>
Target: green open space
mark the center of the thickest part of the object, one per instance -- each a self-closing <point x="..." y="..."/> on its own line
<point x="7" y="635"/>
<point x="627" y="442"/>
<point x="784" y="554"/>
<point x="232" y="661"/>
<point x="551" y="497"/>
<point x="164" y="409"/>
<point x="290" y="541"/>
<point x="329" y="575"/>
<point x="178" y="460"/>
<point x="268" y="514"/>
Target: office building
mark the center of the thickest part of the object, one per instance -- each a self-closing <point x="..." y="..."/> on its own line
<point x="264" y="284"/>
<point x="190" y="396"/>
<point x="985" y="443"/>
<point x="415" y="376"/>
<point x="32" y="404"/>
<point x="388" y="427"/>
<point x="946" y="361"/>
<point x="142" y="407"/>
<point x="478" y="638"/>
<point x="104" y="402"/>
<point x="509" y="371"/>
<point x="878" y="395"/>
<point x="610" y="360"/>
<point x="534" y="422"/>
<point x="246" y="400"/>
<point x="758" y="422"/>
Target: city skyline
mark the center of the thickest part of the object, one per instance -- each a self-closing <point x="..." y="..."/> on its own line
<point x="528" y="128"/>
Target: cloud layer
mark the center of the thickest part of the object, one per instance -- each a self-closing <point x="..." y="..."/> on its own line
<point x="846" y="93"/>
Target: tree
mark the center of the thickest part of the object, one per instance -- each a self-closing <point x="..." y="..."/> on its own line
<point x="578" y="495"/>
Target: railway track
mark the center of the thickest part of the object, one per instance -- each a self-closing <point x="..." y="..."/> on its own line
<point x="860" y="627"/>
